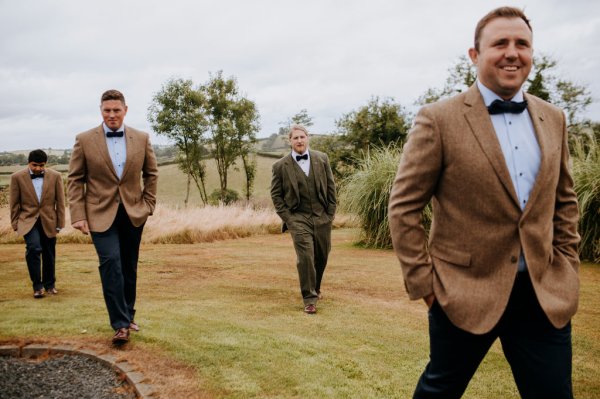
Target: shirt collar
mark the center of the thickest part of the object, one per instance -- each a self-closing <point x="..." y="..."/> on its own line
<point x="107" y="129"/>
<point x="294" y="153"/>
<point x="489" y="96"/>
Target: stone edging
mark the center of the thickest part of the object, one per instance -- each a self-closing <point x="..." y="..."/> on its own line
<point x="133" y="378"/>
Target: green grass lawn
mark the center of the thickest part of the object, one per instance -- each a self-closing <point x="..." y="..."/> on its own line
<point x="232" y="311"/>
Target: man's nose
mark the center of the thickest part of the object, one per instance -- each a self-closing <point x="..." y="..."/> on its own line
<point x="511" y="52"/>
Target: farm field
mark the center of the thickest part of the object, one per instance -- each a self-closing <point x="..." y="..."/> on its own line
<point x="172" y="182"/>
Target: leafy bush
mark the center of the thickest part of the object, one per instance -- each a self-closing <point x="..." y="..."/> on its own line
<point x="230" y="197"/>
<point x="586" y="175"/>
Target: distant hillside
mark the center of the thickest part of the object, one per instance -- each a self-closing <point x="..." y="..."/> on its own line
<point x="50" y="151"/>
<point x="276" y="144"/>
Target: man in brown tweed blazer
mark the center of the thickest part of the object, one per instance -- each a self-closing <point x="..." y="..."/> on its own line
<point x="501" y="260"/>
<point x="107" y="200"/>
<point x="37" y="212"/>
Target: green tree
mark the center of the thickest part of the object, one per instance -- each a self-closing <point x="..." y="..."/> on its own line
<point x="176" y="112"/>
<point x="342" y="156"/>
<point x="379" y="123"/>
<point x="573" y="99"/>
<point x="301" y="118"/>
<point x="540" y="81"/>
<point x="460" y="77"/>
<point x="232" y="126"/>
<point x="247" y="126"/>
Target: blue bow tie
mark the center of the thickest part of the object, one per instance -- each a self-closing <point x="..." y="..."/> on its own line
<point x="299" y="157"/>
<point x="34" y="176"/>
<point x="502" y="107"/>
<point x="114" y="134"/>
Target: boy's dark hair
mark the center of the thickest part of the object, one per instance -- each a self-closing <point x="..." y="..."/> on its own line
<point x="37" y="156"/>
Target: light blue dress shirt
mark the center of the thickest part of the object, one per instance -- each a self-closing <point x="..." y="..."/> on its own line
<point x="38" y="185"/>
<point x="117" y="149"/>
<point x="520" y="147"/>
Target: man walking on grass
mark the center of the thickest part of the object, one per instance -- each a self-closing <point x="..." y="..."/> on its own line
<point x="303" y="192"/>
<point x="106" y="198"/>
<point x="501" y="260"/>
<point x="37" y="212"/>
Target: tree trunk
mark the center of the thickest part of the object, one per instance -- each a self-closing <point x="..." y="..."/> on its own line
<point x="187" y="191"/>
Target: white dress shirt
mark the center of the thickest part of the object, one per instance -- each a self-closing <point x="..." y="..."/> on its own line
<point x="303" y="163"/>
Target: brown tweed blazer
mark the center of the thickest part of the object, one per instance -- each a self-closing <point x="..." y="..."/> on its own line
<point x="453" y="158"/>
<point x="94" y="189"/>
<point x="25" y="208"/>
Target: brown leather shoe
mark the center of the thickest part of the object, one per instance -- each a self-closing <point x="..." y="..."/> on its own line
<point x="38" y="294"/>
<point x="310" y="309"/>
<point x="133" y="326"/>
<point x="121" y="336"/>
<point x="52" y="291"/>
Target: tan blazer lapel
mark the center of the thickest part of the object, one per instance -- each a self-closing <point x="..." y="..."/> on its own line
<point x="46" y="186"/>
<point x="100" y="141"/>
<point x="544" y="141"/>
<point x="28" y="183"/>
<point x="482" y="128"/>
<point x="130" y="148"/>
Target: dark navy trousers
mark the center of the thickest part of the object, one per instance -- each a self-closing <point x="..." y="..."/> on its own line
<point x="40" y="255"/>
<point x="118" y="249"/>
<point x="540" y="355"/>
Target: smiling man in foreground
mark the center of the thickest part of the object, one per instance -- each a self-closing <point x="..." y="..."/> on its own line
<point x="501" y="260"/>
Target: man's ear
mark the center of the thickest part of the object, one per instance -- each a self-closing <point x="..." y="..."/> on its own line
<point x="473" y="55"/>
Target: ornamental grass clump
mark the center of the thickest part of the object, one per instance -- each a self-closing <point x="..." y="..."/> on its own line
<point x="586" y="175"/>
<point x="366" y="193"/>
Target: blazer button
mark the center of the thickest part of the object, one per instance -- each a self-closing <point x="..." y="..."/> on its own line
<point x="513" y="259"/>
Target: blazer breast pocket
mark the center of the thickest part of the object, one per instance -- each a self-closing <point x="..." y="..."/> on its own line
<point x="450" y="255"/>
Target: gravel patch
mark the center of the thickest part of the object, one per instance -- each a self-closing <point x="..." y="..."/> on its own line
<point x="64" y="377"/>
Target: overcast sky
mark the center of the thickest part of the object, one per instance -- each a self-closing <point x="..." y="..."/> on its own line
<point x="330" y="57"/>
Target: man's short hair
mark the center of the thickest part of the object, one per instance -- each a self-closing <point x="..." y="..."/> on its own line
<point x="112" y="95"/>
<point x="501" y="12"/>
<point x="37" y="156"/>
<point x="297" y="127"/>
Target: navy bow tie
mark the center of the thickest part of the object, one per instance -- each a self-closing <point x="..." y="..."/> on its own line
<point x="299" y="157"/>
<point x="114" y="134"/>
<point x="33" y="176"/>
<point x="511" y="107"/>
